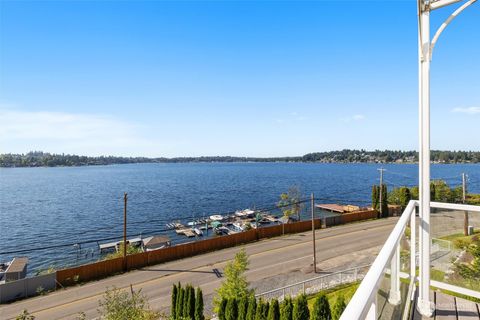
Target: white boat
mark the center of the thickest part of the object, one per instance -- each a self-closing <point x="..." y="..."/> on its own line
<point x="198" y="231"/>
<point x="216" y="217"/>
<point x="245" y="213"/>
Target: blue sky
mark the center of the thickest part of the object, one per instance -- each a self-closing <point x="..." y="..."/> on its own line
<point x="244" y="78"/>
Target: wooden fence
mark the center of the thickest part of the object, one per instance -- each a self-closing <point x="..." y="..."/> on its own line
<point x="101" y="269"/>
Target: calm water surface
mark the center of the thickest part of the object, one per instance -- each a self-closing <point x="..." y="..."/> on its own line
<point x="52" y="206"/>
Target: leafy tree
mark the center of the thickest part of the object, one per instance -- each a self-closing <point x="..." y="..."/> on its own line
<point x="120" y="305"/>
<point x="199" y="305"/>
<point x="300" y="308"/>
<point x="231" y="311"/>
<point x="221" y="309"/>
<point x="173" y="309"/>
<point x="242" y="308"/>
<point x="252" y="308"/>
<point x="321" y="308"/>
<point x="286" y="309"/>
<point x="235" y="284"/>
<point x="290" y="202"/>
<point x="274" y="311"/>
<point x="338" y="308"/>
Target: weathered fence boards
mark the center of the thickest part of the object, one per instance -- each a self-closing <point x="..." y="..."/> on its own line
<point x="27" y="287"/>
<point x="106" y="268"/>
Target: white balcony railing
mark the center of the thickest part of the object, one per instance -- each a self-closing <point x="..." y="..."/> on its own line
<point x="386" y="269"/>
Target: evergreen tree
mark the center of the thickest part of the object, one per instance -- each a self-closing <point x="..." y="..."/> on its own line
<point x="179" y="306"/>
<point x="174" y="302"/>
<point x="260" y="313"/>
<point x="252" y="308"/>
<point x="231" y="311"/>
<point x="321" y="308"/>
<point x="384" y="201"/>
<point x="221" y="309"/>
<point x="186" y="302"/>
<point x="199" y="305"/>
<point x="242" y="308"/>
<point x="265" y="310"/>
<point x="375" y="197"/>
<point x="191" y="303"/>
<point x="338" y="308"/>
<point x="274" y="311"/>
<point x="300" y="308"/>
<point x="286" y="309"/>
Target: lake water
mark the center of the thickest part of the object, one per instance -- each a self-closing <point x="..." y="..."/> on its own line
<point x="42" y="207"/>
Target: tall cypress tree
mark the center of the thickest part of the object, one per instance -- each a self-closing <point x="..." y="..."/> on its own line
<point x="191" y="304"/>
<point x="375" y="197"/>
<point x="252" y="308"/>
<point x="338" y="308"/>
<point x="186" y="302"/>
<point x="286" y="309"/>
<point x="273" y="311"/>
<point x="321" y="308"/>
<point x="384" y="201"/>
<point x="260" y="313"/>
<point x="242" y="308"/>
<point x="179" y="306"/>
<point x="300" y="308"/>
<point x="221" y="309"/>
<point x="199" y="305"/>
<point x="231" y="311"/>
<point x="173" y="306"/>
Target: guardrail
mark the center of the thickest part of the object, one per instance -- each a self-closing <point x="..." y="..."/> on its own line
<point x="386" y="267"/>
<point x="316" y="284"/>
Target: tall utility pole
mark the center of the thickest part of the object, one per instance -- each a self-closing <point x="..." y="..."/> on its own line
<point x="125" y="231"/>
<point x="464" y="199"/>
<point x="312" y="203"/>
<point x="380" y="198"/>
<point x="425" y="50"/>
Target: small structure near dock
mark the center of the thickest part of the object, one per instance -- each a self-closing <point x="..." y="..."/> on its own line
<point x="155" y="242"/>
<point x="114" y="246"/>
<point x="13" y="270"/>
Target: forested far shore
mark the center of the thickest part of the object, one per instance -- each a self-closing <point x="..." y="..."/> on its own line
<point x="45" y="159"/>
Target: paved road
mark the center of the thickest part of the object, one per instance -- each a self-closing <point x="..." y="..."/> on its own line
<point x="273" y="263"/>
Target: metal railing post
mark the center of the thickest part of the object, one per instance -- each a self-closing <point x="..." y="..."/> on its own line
<point x="394" y="296"/>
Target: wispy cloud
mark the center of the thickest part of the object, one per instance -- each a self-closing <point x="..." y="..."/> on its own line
<point x="471" y="110"/>
<point x="67" y="132"/>
<point x="356" y="117"/>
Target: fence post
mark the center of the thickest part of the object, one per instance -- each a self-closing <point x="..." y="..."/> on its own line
<point x="304" y="288"/>
<point x="394" y="296"/>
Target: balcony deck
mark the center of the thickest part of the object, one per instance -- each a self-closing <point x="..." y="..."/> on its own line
<point x="451" y="308"/>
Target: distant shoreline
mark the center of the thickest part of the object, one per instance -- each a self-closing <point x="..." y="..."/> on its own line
<point x="43" y="159"/>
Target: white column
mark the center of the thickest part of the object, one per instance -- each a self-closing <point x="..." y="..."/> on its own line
<point x="394" y="296"/>
<point x="413" y="239"/>
<point x="425" y="306"/>
<point x="372" y="311"/>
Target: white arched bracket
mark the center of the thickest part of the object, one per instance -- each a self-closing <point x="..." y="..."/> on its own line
<point x="447" y="22"/>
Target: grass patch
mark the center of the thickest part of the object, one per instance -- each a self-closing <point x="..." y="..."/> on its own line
<point x="345" y="290"/>
<point x="460" y="240"/>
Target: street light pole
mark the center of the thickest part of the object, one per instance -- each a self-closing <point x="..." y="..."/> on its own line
<point x="425" y="305"/>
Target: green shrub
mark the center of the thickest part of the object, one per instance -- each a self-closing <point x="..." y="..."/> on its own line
<point x="338" y="308"/>
<point x="286" y="309"/>
<point x="231" y="311"/>
<point x="273" y="311"/>
<point x="221" y="309"/>
<point x="251" y="308"/>
<point x="242" y="308"/>
<point x="300" y="308"/>
<point x="199" y="305"/>
<point x="321" y="308"/>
